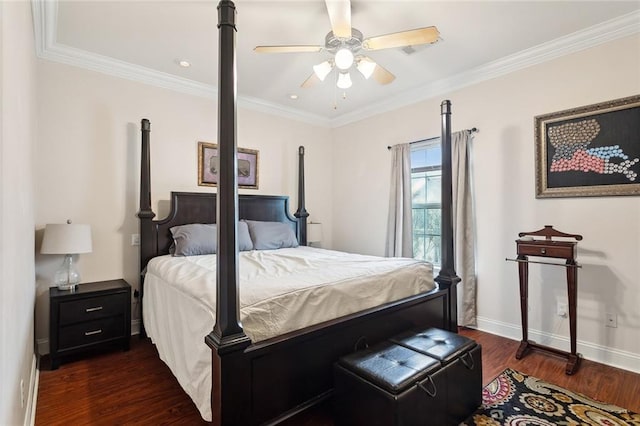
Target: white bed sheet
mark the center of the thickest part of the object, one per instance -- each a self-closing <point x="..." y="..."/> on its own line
<point x="280" y="291"/>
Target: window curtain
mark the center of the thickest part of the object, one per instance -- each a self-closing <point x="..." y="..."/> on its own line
<point x="399" y="226"/>
<point x="464" y="226"/>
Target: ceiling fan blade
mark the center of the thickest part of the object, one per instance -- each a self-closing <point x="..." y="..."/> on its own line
<point x="403" y="38"/>
<point x="369" y="68"/>
<point x="311" y="81"/>
<point x="288" y="49"/>
<point x="340" y="17"/>
<point x="382" y="76"/>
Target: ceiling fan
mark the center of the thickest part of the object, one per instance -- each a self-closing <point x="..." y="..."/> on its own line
<point x="346" y="44"/>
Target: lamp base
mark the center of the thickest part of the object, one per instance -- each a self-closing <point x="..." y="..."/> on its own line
<point x="67" y="276"/>
<point x="68" y="287"/>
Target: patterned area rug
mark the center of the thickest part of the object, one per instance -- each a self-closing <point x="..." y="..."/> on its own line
<point x="516" y="399"/>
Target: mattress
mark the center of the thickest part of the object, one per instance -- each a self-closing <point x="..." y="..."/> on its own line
<point x="280" y="291"/>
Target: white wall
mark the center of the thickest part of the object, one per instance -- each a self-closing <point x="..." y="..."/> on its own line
<point x="17" y="285"/>
<point x="88" y="162"/>
<point x="503" y="157"/>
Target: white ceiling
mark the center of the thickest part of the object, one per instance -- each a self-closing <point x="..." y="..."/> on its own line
<point x="143" y="40"/>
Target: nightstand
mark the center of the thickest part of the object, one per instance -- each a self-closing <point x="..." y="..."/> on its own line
<point x="94" y="315"/>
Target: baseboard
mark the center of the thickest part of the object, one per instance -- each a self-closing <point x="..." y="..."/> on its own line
<point x="591" y="351"/>
<point x="34" y="380"/>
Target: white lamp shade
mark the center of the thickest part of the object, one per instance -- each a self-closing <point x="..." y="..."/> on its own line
<point x="63" y="238"/>
<point x="322" y="70"/>
<point x="366" y="67"/>
<point x="344" y="80"/>
<point x="314" y="232"/>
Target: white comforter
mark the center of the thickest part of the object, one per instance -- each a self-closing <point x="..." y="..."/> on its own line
<point x="280" y="291"/>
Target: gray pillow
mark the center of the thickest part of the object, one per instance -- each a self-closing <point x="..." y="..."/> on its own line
<point x="244" y="239"/>
<point x="194" y="239"/>
<point x="271" y="235"/>
<point x="199" y="238"/>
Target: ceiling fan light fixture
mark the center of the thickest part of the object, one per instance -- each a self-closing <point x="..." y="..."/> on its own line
<point x="366" y="67"/>
<point x="322" y="70"/>
<point x="344" y="80"/>
<point x="344" y="58"/>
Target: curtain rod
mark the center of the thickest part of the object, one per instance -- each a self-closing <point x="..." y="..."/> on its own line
<point x="471" y="130"/>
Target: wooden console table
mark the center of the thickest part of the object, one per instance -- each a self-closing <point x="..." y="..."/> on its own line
<point x="527" y="246"/>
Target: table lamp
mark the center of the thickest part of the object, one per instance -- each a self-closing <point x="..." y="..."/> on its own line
<point x="67" y="239"/>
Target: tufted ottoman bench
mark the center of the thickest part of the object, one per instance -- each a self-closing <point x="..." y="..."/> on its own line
<point x="430" y="377"/>
<point x="461" y="362"/>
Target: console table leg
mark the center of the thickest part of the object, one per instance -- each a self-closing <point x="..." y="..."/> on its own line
<point x="573" y="362"/>
<point x="522" y="349"/>
<point x="523" y="272"/>
<point x="573" y="296"/>
<point x="572" y="289"/>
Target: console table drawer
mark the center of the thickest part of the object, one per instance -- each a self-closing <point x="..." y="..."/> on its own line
<point x="92" y="308"/>
<point x="547" y="250"/>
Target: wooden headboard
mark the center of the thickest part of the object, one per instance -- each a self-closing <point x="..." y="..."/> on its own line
<point x="200" y="207"/>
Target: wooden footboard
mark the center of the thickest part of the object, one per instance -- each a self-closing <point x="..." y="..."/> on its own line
<point x="272" y="380"/>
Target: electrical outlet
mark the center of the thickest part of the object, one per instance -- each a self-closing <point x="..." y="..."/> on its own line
<point x="561" y="309"/>
<point x="22" y="393"/>
<point x="135" y="239"/>
<point x="611" y="320"/>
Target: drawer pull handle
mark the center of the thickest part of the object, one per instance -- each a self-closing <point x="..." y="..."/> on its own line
<point x="97" y="308"/>
<point x="90" y="333"/>
<point x="543" y="250"/>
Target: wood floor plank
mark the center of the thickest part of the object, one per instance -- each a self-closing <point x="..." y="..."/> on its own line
<point x="136" y="387"/>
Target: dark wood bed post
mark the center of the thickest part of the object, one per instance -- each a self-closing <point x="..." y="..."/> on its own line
<point x="447" y="278"/>
<point x="145" y="214"/>
<point x="301" y="213"/>
<point x="230" y="392"/>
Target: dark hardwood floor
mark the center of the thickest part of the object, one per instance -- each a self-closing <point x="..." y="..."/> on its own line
<point x="136" y="387"/>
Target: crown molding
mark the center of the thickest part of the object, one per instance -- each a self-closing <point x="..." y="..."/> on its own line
<point x="45" y="15"/>
<point x="613" y="29"/>
<point x="45" y="18"/>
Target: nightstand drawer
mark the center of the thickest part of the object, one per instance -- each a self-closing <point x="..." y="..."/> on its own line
<point x="92" y="308"/>
<point x="91" y="332"/>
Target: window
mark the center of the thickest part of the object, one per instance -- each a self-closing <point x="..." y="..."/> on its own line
<point x="426" y="175"/>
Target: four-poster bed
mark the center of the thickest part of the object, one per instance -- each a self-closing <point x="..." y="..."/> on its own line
<point x="267" y="381"/>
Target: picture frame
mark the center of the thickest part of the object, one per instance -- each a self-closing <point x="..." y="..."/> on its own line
<point x="248" y="161"/>
<point x="589" y="151"/>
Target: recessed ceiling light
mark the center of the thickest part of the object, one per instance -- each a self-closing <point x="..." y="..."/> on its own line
<point x="184" y="64"/>
<point x="293" y="97"/>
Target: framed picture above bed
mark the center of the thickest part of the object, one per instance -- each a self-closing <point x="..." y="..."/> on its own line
<point x="592" y="150"/>
<point x="208" y="166"/>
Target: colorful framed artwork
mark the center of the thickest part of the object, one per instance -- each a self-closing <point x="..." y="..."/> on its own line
<point x="589" y="151"/>
<point x="208" y="166"/>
